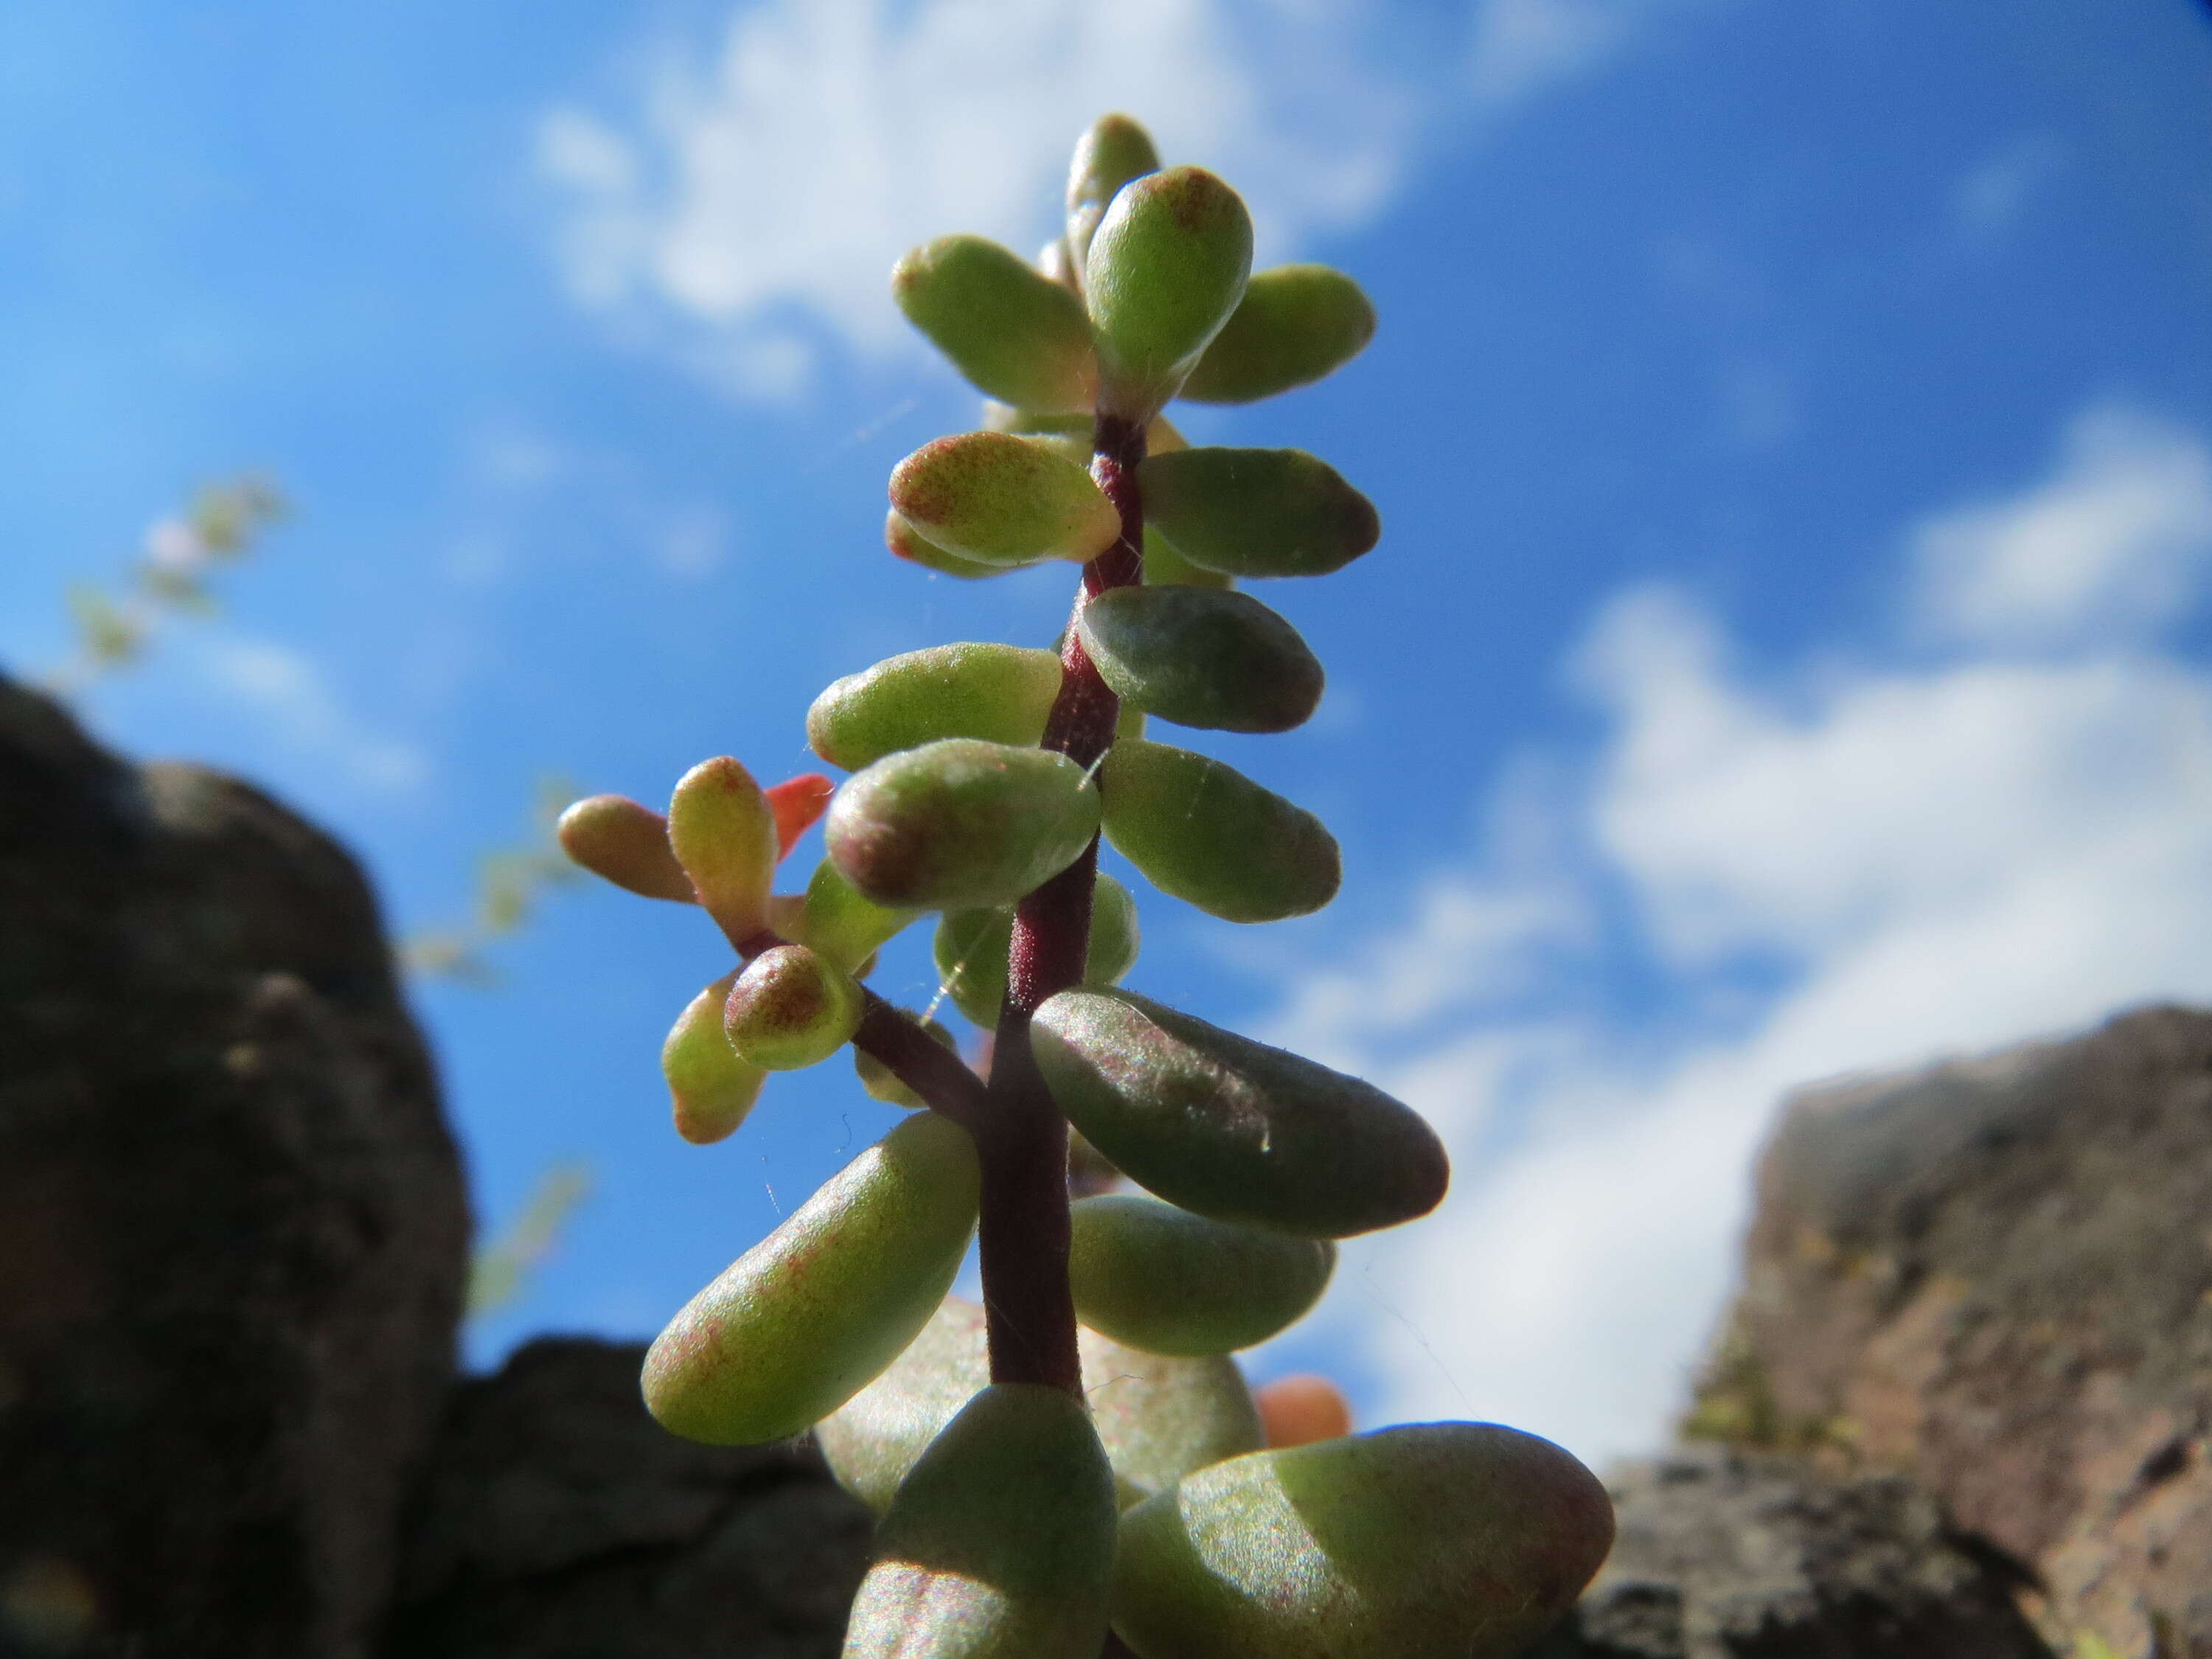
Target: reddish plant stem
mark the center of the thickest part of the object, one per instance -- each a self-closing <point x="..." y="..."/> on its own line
<point x="1028" y="1315"/>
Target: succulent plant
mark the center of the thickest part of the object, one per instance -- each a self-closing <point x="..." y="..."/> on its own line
<point x="1077" y="1466"/>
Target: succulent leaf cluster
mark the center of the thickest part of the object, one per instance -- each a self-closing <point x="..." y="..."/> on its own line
<point x="1077" y="1466"/>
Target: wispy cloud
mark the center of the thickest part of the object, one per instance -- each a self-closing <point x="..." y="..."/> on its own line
<point x="755" y="192"/>
<point x="284" y="689"/>
<point x="1823" y="871"/>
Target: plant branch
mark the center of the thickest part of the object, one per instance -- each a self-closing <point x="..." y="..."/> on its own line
<point x="1028" y="1315"/>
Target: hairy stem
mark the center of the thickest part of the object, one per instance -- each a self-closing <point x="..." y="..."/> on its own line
<point x="1028" y="1315"/>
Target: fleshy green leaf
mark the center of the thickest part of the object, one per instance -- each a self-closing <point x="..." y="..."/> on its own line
<point x="1294" y="325"/>
<point x="617" y="838"/>
<point x="1014" y="332"/>
<point x="1257" y="512"/>
<point x="1113" y="151"/>
<point x="961" y="823"/>
<point x="1203" y="658"/>
<point x="710" y="1088"/>
<point x="723" y="830"/>
<point x="1232" y="1128"/>
<point x="1000" y="1544"/>
<point x="1167" y="1281"/>
<point x="808" y="1316"/>
<point x="971" y="948"/>
<point x="791" y="1008"/>
<point x="843" y="925"/>
<point x="1203" y="832"/>
<point x="1436" y="1541"/>
<point x="1002" y="693"/>
<point x="883" y="1083"/>
<point x="1158" y="1418"/>
<point x="1166" y="567"/>
<point x="996" y="498"/>
<point x="1166" y="269"/>
<point x="909" y="543"/>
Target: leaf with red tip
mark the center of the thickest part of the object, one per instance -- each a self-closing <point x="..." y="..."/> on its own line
<point x="797" y="803"/>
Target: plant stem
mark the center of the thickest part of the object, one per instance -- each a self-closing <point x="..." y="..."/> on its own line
<point x="1027" y="1312"/>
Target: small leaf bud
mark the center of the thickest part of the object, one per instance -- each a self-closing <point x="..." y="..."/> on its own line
<point x="971" y="946"/>
<point x="723" y="834"/>
<point x="1300" y="1409"/>
<point x="797" y="803"/>
<point x="626" y="843"/>
<point x="791" y="1008"/>
<point x="1113" y="152"/>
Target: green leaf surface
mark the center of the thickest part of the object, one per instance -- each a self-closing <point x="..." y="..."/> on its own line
<point x="883" y="1083"/>
<point x="1162" y="1279"/>
<point x="971" y="948"/>
<point x="1001" y="693"/>
<point x="1232" y="1128"/>
<point x="1294" y="325"/>
<point x="626" y="843"/>
<point x="791" y="1008"/>
<point x="909" y="543"/>
<point x="1200" y="657"/>
<point x="1158" y="1418"/>
<point x="723" y="831"/>
<point x="835" y="919"/>
<point x="1000" y="1544"/>
<point x="960" y="823"/>
<point x="1203" y="832"/>
<point x="1166" y="567"/>
<point x="1164" y="270"/>
<point x="807" y="1317"/>
<point x="1113" y="151"/>
<point x="997" y="499"/>
<point x="1015" y="333"/>
<point x="1257" y="512"/>
<point x="710" y="1088"/>
<point x="1436" y="1541"/>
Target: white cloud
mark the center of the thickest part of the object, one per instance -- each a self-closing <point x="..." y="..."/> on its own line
<point x="1842" y="870"/>
<point x="2113" y="542"/>
<point x="759" y="193"/>
<point x="286" y="688"/>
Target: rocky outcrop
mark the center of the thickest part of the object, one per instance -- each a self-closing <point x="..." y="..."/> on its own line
<point x="232" y="1227"/>
<point x="1997" y="1275"/>
<point x="1732" y="1555"/>
<point x="562" y="1522"/>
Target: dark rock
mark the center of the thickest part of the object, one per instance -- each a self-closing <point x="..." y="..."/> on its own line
<point x="1731" y="1555"/>
<point x="562" y="1522"/>
<point x="1997" y="1275"/>
<point x="233" y="1229"/>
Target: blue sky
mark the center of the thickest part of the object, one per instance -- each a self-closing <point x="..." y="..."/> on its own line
<point x="1792" y="426"/>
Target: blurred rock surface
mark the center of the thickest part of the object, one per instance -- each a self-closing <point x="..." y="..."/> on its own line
<point x="1731" y="1555"/>
<point x="562" y="1522"/>
<point x="1996" y="1276"/>
<point x="233" y="1226"/>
